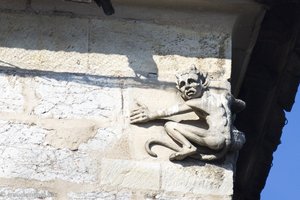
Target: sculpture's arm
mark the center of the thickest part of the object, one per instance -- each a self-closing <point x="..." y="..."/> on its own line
<point x="142" y="113"/>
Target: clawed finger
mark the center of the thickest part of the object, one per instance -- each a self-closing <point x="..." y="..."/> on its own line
<point x="137" y="121"/>
<point x="137" y="116"/>
<point x="136" y="112"/>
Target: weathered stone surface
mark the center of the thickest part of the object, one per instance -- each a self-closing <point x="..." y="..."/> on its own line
<point x="130" y="174"/>
<point x="198" y="178"/>
<point x="11" y="98"/>
<point x="155" y="49"/>
<point x="121" y="195"/>
<point x="68" y="99"/>
<point x="84" y="75"/>
<point x="67" y="7"/>
<point x="44" y="42"/>
<point x="151" y="48"/>
<point x="24" y="156"/>
<point x="8" y="193"/>
<point x="13" y="4"/>
<point x="103" y="140"/>
<point x="181" y="196"/>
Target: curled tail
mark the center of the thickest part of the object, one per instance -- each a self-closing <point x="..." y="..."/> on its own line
<point x="201" y="156"/>
<point x="153" y="141"/>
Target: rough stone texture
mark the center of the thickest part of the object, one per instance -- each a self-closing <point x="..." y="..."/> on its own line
<point x="68" y="84"/>
<point x="130" y="174"/>
<point x="13" y="4"/>
<point x="198" y="178"/>
<point x="102" y="141"/>
<point x="11" y="98"/>
<point x="23" y="155"/>
<point x="68" y="99"/>
<point x="46" y="42"/>
<point x="122" y="195"/>
<point x="148" y="50"/>
<point x="180" y="196"/>
<point x="67" y="7"/>
<point x="8" y="193"/>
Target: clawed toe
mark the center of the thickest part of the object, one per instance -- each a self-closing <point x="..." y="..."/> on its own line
<point x="182" y="154"/>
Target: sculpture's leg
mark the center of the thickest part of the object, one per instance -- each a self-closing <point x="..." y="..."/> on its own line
<point x="187" y="147"/>
<point x="184" y="133"/>
<point x="202" y="137"/>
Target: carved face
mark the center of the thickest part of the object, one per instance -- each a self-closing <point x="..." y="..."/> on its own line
<point x="190" y="85"/>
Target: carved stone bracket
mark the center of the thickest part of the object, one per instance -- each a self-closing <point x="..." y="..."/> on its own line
<point x="209" y="142"/>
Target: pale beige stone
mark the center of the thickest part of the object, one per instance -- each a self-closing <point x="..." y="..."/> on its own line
<point x="115" y="195"/>
<point x="198" y="178"/>
<point x="44" y="42"/>
<point x="68" y="99"/>
<point x="25" y="155"/>
<point x="11" y="98"/>
<point x="130" y="174"/>
<point x="9" y="193"/>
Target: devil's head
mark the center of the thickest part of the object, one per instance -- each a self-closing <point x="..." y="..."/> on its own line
<point x="191" y="83"/>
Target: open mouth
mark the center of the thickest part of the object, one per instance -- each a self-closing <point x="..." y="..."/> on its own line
<point x="190" y="92"/>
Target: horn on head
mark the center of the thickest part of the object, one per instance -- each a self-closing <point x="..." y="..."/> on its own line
<point x="205" y="82"/>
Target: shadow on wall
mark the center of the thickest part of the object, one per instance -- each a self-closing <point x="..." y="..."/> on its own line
<point x="84" y="78"/>
<point x="138" y="41"/>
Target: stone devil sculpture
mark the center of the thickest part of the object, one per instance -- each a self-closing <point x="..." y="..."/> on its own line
<point x="210" y="142"/>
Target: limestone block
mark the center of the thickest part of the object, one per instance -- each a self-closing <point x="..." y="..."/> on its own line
<point x="198" y="178"/>
<point x="130" y="174"/>
<point x="67" y="7"/>
<point x="181" y="196"/>
<point x="13" y="4"/>
<point x="69" y="99"/>
<point x="140" y="49"/>
<point x="152" y="48"/>
<point x="8" y="193"/>
<point x="44" y="42"/>
<point x="24" y="155"/>
<point x="120" y="195"/>
<point x="103" y="139"/>
<point x="11" y="98"/>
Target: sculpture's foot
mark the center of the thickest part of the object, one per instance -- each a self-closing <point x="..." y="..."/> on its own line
<point x="183" y="154"/>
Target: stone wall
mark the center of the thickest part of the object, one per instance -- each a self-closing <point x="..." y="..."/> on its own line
<point x="68" y="83"/>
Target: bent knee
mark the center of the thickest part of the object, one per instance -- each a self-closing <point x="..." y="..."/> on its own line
<point x="217" y="143"/>
<point x="170" y="125"/>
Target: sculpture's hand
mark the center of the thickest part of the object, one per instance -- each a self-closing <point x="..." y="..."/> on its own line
<point x="140" y="115"/>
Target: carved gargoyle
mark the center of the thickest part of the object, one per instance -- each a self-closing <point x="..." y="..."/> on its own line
<point x="204" y="143"/>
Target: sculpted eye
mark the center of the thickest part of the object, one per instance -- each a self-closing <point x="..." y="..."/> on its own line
<point x="190" y="80"/>
<point x="181" y="84"/>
